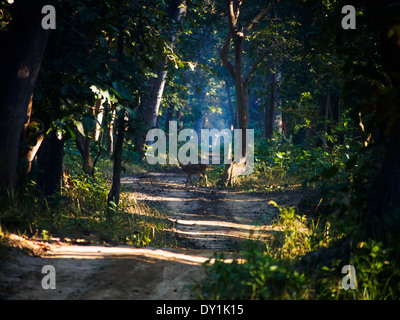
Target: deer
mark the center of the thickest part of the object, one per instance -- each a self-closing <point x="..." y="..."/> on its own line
<point x="231" y="173"/>
<point x="194" y="169"/>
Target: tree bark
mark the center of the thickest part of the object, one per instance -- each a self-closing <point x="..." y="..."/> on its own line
<point x="114" y="194"/>
<point x="21" y="53"/>
<point x="108" y="127"/>
<point x="50" y="164"/>
<point x="236" y="69"/>
<point x="232" y="112"/>
<point x="272" y="106"/>
<point x="83" y="145"/>
<point x="168" y="118"/>
<point x="274" y="115"/>
<point x="29" y="145"/>
<point x="277" y="117"/>
<point x="382" y="220"/>
<point x="150" y="104"/>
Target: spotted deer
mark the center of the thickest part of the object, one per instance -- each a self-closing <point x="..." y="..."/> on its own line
<point x="194" y="169"/>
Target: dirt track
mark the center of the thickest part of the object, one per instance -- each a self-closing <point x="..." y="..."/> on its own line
<point x="204" y="221"/>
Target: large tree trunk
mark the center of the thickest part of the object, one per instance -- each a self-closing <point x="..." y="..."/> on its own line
<point x="150" y="104"/>
<point x="241" y="82"/>
<point x="236" y="69"/>
<point x="241" y="91"/>
<point x="50" y="164"/>
<point x="114" y="194"/>
<point x="21" y="53"/>
<point x="383" y="213"/>
<point x="382" y="220"/>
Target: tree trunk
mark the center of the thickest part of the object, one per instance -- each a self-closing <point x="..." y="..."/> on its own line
<point x="277" y="117"/>
<point x="114" y="193"/>
<point x="241" y="92"/>
<point x="150" y="105"/>
<point x="382" y="220"/>
<point x="108" y="127"/>
<point x="168" y="118"/>
<point x="272" y="105"/>
<point x="265" y="113"/>
<point x="236" y="69"/>
<point x="21" y="54"/>
<point x="232" y="112"/>
<point x="274" y="121"/>
<point x="83" y="144"/>
<point x="50" y="164"/>
<point x="29" y="145"/>
<point x="32" y="152"/>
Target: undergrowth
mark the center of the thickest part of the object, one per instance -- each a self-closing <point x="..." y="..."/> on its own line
<point x="80" y="212"/>
<point x="274" y="269"/>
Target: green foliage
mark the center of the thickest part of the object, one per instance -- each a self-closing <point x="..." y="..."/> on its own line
<point x="83" y="60"/>
<point x="80" y="211"/>
<point x="263" y="273"/>
<point x="376" y="274"/>
<point x="257" y="276"/>
<point x="293" y="237"/>
<point x="284" y="161"/>
<point x="273" y="271"/>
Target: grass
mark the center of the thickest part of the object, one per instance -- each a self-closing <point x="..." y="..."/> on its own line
<point x="295" y="264"/>
<point x="266" y="182"/>
<point x="80" y="211"/>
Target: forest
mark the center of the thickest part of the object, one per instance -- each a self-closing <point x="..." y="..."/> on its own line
<point x="102" y="106"/>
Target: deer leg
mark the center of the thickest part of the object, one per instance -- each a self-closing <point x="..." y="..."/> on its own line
<point x="191" y="181"/>
<point x="201" y="177"/>
<point x="198" y="181"/>
<point x="187" y="179"/>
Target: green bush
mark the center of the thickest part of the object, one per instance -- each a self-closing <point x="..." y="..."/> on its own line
<point x="267" y="272"/>
<point x="272" y="270"/>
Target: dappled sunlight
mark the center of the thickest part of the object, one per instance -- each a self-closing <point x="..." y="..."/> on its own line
<point x="209" y="229"/>
<point x="150" y="255"/>
<point x="165" y="198"/>
<point x="205" y="235"/>
<point x="225" y="224"/>
<point x="216" y="219"/>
